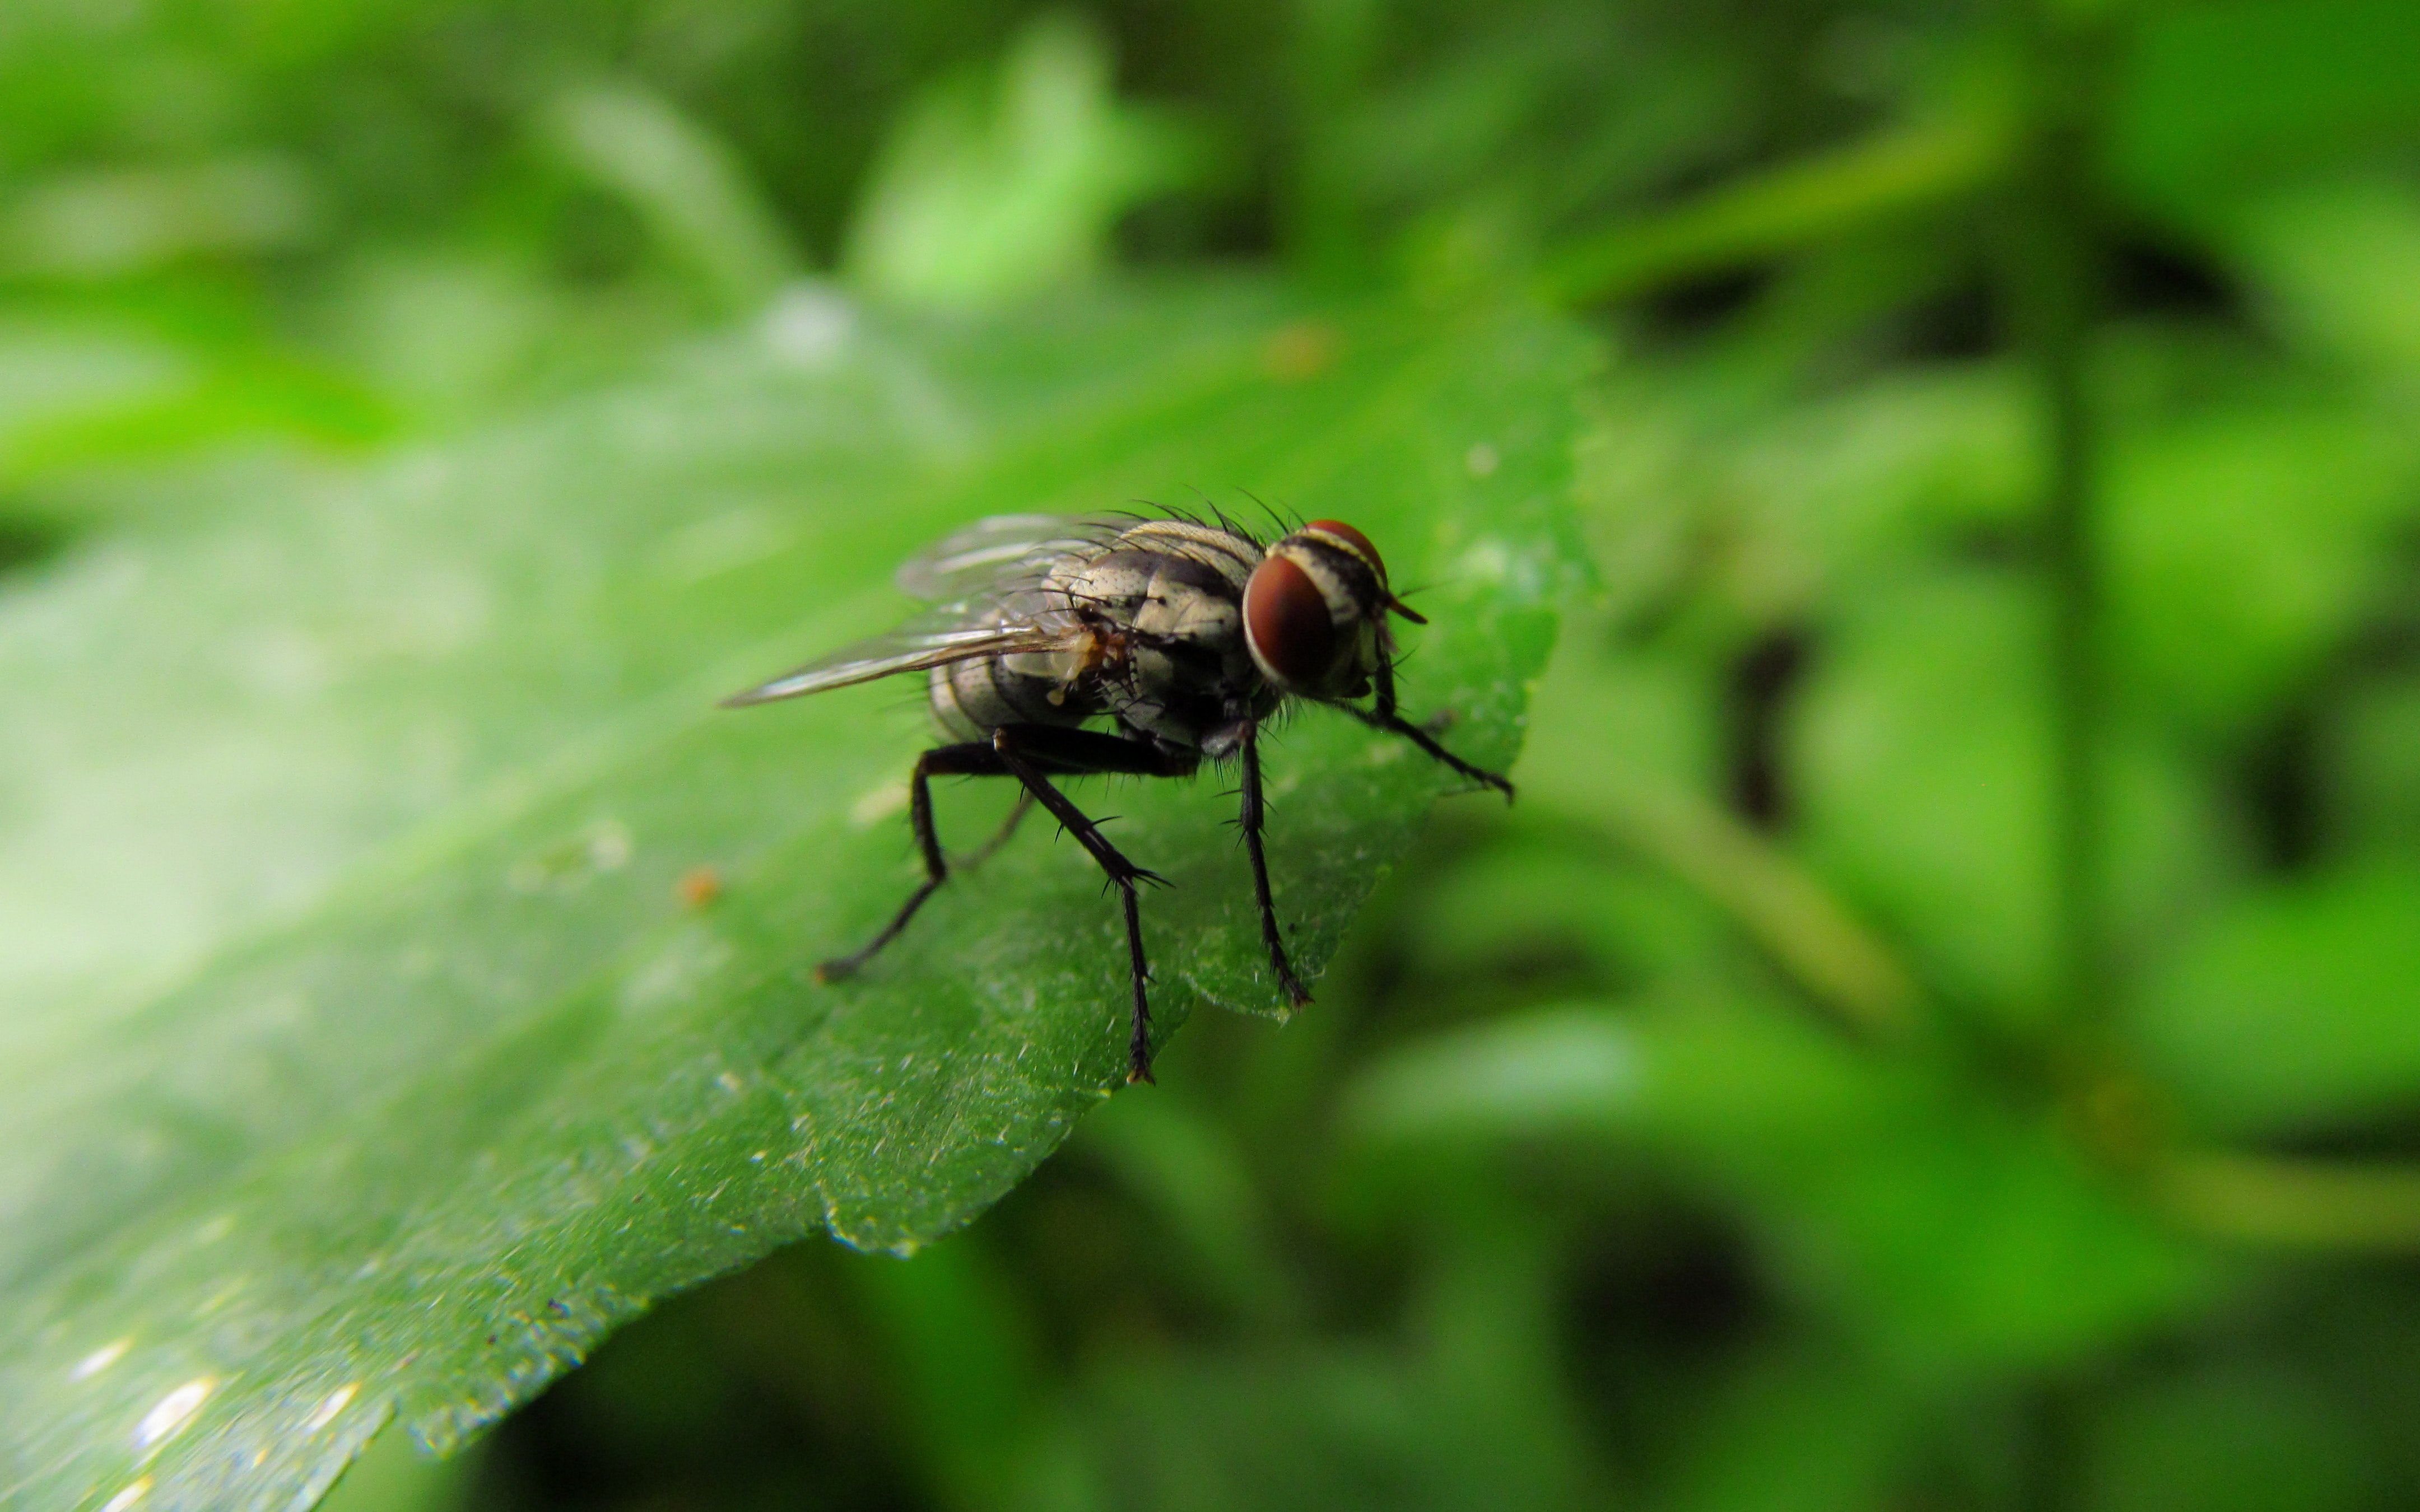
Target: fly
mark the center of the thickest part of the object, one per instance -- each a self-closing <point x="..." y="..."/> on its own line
<point x="1073" y="647"/>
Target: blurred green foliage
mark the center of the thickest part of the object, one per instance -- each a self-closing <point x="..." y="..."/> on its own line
<point x="1879" y="1063"/>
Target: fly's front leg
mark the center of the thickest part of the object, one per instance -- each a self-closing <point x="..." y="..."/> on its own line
<point x="1023" y="752"/>
<point x="1250" y="821"/>
<point x="973" y="759"/>
<point x="1382" y="715"/>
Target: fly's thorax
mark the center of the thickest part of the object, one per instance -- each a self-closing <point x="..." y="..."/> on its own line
<point x="1314" y="612"/>
<point x="1164" y="576"/>
<point x="1170" y="594"/>
<point x="1230" y="554"/>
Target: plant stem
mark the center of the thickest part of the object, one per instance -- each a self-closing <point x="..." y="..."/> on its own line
<point x="1808" y="932"/>
<point x="2299" y="1204"/>
<point x="2054" y="299"/>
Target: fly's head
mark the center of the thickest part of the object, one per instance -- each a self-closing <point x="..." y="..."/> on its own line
<point x="1315" y="612"/>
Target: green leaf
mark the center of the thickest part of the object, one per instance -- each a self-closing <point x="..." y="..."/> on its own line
<point x="1924" y="749"/>
<point x="106" y="223"/>
<point x="392" y="1476"/>
<point x="1534" y="900"/>
<point x="1809" y="1427"/>
<point x="1601" y="776"/>
<point x="53" y="372"/>
<point x="1790" y="505"/>
<point x="374" y="1045"/>
<point x="2226" y="1438"/>
<point x="1878" y="179"/>
<point x="1190" y="1173"/>
<point x="2372" y="760"/>
<point x="1304" y="1430"/>
<point x="1467" y="1410"/>
<point x="986" y="194"/>
<point x="691" y="189"/>
<point x="1949" y="1235"/>
<point x="2215" y="98"/>
<point x="2338" y="264"/>
<point x="2241" y="547"/>
<point x="2299" y="1006"/>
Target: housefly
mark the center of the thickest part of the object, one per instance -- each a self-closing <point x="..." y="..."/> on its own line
<point x="1067" y="647"/>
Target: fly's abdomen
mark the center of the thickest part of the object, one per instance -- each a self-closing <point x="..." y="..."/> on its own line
<point x="972" y="698"/>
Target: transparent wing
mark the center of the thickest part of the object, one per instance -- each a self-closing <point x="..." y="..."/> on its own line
<point x="994" y="555"/>
<point x="991" y="574"/>
<point x="931" y="641"/>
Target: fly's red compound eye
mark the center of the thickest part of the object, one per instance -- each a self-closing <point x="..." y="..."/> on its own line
<point x="1286" y="623"/>
<point x="1339" y="533"/>
<point x="1358" y="542"/>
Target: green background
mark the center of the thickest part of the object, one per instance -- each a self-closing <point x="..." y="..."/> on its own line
<point x="1930" y="493"/>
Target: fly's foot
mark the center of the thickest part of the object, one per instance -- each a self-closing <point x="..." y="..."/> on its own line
<point x="1124" y="873"/>
<point x="1138" y="1043"/>
<point x="1296" y="995"/>
<point x="1480" y="775"/>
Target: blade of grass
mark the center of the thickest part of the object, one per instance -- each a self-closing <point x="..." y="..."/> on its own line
<point x="2274" y="1201"/>
<point x="1784" y="908"/>
<point x="2051" y="295"/>
<point x="1780" y="210"/>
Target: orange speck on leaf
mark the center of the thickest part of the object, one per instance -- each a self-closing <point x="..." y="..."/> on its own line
<point x="1301" y="351"/>
<point x="700" y="885"/>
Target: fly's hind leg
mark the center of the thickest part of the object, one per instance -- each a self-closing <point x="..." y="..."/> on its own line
<point x="1027" y="751"/>
<point x="1000" y="837"/>
<point x="973" y="759"/>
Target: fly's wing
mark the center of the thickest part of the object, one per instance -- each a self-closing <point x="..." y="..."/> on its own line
<point x="992" y="573"/>
<point x="994" y="556"/>
<point x="936" y="640"/>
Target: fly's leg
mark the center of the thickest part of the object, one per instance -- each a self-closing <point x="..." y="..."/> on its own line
<point x="1024" y="750"/>
<point x="973" y="759"/>
<point x="1250" y="823"/>
<point x="1139" y="1042"/>
<point x="1000" y="837"/>
<point x="1382" y="715"/>
<point x="1395" y="725"/>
